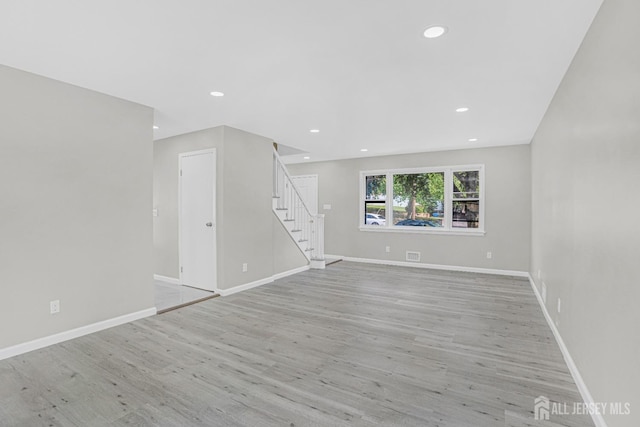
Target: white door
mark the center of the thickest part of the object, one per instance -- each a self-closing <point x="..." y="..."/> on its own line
<point x="308" y="187"/>
<point x="197" y="219"/>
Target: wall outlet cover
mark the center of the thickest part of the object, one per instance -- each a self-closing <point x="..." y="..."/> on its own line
<point x="54" y="306"/>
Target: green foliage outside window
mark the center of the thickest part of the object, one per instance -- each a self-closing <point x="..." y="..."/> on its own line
<point x="425" y="190"/>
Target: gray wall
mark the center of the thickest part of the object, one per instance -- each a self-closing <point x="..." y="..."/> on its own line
<point x="75" y="202"/>
<point x="246" y="231"/>
<point x="586" y="233"/>
<point x="507" y="211"/>
<point x="247" y="213"/>
<point x="165" y="192"/>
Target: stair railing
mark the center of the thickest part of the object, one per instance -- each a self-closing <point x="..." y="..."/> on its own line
<point x="303" y="226"/>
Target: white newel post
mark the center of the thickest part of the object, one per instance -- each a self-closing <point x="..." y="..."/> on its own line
<point x="317" y="261"/>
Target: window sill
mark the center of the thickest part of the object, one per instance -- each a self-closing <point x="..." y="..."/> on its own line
<point x="421" y="230"/>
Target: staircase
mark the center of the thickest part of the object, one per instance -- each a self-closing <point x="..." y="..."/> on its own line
<point x="305" y="228"/>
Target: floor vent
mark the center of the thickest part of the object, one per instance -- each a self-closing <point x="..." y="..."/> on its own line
<point x="413" y="256"/>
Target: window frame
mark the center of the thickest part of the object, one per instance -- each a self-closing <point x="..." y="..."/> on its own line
<point x="447" y="228"/>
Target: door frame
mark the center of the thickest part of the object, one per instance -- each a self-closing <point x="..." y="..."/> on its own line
<point x="311" y="175"/>
<point x="213" y="219"/>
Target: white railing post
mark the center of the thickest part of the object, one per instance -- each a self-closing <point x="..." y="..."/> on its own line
<point x="319" y="238"/>
<point x="275" y="177"/>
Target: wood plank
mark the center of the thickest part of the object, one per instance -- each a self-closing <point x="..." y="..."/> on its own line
<point x="354" y="344"/>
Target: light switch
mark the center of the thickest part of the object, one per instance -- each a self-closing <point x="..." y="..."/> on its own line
<point x="155" y="212"/>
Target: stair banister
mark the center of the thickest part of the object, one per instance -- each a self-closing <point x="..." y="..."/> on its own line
<point x="305" y="228"/>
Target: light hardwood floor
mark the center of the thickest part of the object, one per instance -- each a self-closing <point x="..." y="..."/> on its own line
<point x="354" y="344"/>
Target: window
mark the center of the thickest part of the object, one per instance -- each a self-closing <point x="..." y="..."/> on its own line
<point x="375" y="205"/>
<point x="445" y="199"/>
<point x="466" y="199"/>
<point x="416" y="198"/>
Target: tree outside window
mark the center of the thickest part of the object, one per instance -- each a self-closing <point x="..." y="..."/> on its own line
<point x="446" y="199"/>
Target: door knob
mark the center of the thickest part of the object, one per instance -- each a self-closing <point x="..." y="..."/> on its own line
<point x="209" y="224"/>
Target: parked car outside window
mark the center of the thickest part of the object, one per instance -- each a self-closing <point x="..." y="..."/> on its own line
<point x="375" y="219"/>
<point x="418" y="223"/>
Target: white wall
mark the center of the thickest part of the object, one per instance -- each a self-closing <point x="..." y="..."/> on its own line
<point x="586" y="232"/>
<point x="75" y="203"/>
<point x="508" y="210"/>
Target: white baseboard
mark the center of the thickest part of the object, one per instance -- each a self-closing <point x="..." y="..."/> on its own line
<point x="246" y="286"/>
<point x="290" y="272"/>
<point x="267" y="280"/>
<point x="598" y="419"/>
<point x="435" y="266"/>
<point x="167" y="279"/>
<point x="39" y="343"/>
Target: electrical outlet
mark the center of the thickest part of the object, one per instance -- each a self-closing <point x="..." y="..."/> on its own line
<point x="559" y="305"/>
<point x="387" y="249"/>
<point x="489" y="255"/>
<point x="54" y="306"/>
<point x="245" y="267"/>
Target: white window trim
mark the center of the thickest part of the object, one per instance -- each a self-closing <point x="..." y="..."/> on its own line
<point x="448" y="198"/>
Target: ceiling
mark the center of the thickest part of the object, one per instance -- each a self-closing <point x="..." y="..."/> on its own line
<point x="359" y="71"/>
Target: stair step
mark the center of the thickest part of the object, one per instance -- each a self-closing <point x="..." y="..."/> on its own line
<point x="289" y="220"/>
<point x="275" y="197"/>
<point x="308" y="249"/>
<point x="296" y="231"/>
<point x="282" y="209"/>
<point x="303" y="240"/>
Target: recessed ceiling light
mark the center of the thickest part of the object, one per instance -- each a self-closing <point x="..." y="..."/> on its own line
<point x="473" y="139"/>
<point x="434" y="31"/>
<point x="217" y="94"/>
<point x="314" y="130"/>
<point x="462" y="109"/>
<point x="364" y="149"/>
<point x="155" y="127"/>
<point x="306" y="157"/>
